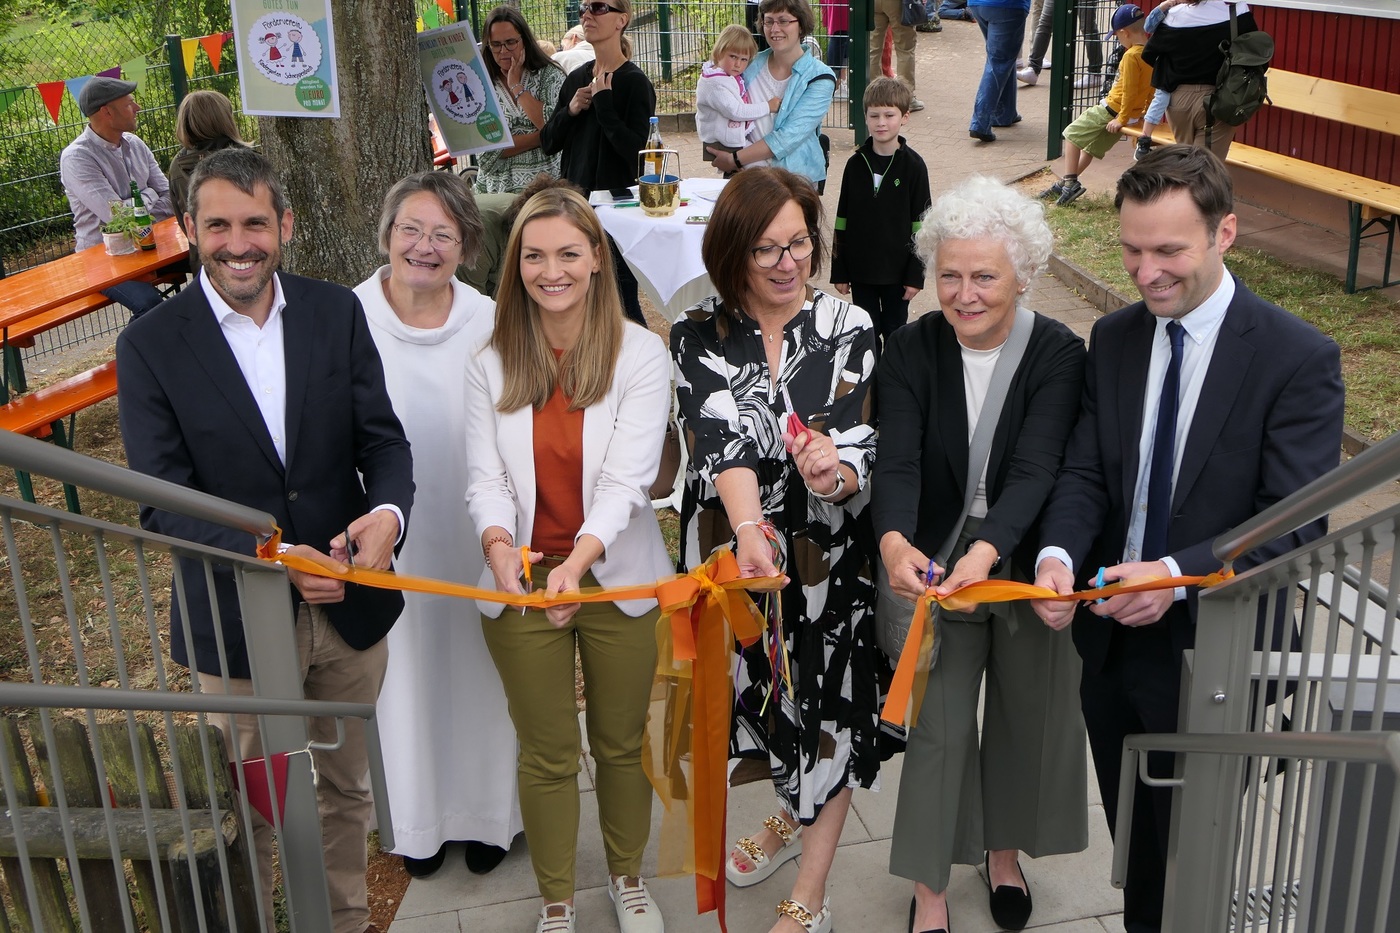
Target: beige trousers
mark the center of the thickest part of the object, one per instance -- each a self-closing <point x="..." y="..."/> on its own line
<point x="1187" y="115"/>
<point x="330" y="670"/>
<point x="887" y="14"/>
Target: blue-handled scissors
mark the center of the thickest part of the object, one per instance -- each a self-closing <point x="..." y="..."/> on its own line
<point x="1098" y="585"/>
<point x="928" y="577"/>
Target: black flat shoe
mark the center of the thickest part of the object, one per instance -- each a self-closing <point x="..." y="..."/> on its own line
<point x="1011" y="907"/>
<point x="984" y="137"/>
<point x="913" y="903"/>
<point x="423" y="867"/>
<point x="482" y="857"/>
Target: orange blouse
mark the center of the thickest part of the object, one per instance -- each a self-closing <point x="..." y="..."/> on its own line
<point x="558" y="476"/>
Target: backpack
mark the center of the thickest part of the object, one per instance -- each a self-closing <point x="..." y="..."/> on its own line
<point x="1241" y="87"/>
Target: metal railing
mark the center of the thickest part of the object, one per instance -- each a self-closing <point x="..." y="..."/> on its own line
<point x="84" y="656"/>
<point x="1285" y="812"/>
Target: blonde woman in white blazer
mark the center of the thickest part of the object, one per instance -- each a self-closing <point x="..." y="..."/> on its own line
<point x="566" y="410"/>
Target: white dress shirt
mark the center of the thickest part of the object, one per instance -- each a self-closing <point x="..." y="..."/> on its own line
<point x="1202" y="326"/>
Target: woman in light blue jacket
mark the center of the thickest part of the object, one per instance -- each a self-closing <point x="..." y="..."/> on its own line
<point x="788" y="138"/>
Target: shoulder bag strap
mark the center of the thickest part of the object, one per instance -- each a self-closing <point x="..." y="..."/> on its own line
<point x="979" y="449"/>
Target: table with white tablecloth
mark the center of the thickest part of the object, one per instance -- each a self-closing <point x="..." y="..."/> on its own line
<point x="664" y="252"/>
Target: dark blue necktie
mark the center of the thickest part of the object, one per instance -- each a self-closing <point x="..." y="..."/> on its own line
<point x="1159" y="482"/>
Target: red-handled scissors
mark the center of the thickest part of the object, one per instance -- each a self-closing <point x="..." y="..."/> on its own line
<point x="795" y="427"/>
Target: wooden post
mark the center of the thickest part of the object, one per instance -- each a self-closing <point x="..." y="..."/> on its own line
<point x="115" y="739"/>
<point x="190" y="754"/>
<point x="48" y="883"/>
<point x="106" y="899"/>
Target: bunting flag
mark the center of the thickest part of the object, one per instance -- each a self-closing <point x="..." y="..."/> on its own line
<point x="430" y="17"/>
<point x="419" y="24"/>
<point x="213" y="47"/>
<point x="447" y="11"/>
<point x="114" y="72"/>
<point x="135" y="70"/>
<point x="188" y="48"/>
<point x="75" y="87"/>
<point x="52" y="93"/>
<point x="8" y="97"/>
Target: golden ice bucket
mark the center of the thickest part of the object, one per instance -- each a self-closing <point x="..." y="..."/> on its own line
<point x="659" y="191"/>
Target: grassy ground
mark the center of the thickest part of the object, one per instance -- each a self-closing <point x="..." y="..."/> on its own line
<point x="1364" y="325"/>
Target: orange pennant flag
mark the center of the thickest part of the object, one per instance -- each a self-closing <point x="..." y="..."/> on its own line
<point x="446" y="7"/>
<point x="52" y="93"/>
<point x="213" y="45"/>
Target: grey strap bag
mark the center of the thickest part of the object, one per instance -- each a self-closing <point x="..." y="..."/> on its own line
<point x="893" y="612"/>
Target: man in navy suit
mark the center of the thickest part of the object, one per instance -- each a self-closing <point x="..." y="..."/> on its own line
<point x="1257" y="414"/>
<point x="266" y="389"/>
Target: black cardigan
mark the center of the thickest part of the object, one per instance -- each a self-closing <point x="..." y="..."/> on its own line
<point x="600" y="145"/>
<point x="921" y="462"/>
<point x="873" y="243"/>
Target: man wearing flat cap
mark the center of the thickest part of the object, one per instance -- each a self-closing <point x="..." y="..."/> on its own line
<point x="98" y="168"/>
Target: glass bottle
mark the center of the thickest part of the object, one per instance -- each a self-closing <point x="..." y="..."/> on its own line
<point x="146" y="236"/>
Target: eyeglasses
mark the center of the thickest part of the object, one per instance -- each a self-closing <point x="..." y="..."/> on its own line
<point x="598" y="8"/>
<point x="766" y="257"/>
<point x="770" y="22"/>
<point x="505" y="45"/>
<point x="409" y="235"/>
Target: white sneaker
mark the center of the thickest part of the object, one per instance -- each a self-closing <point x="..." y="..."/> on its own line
<point x="1045" y="64"/>
<point x="1088" y="81"/>
<point x="636" y="911"/>
<point x="552" y="920"/>
<point x="1027" y="76"/>
<point x="842" y="92"/>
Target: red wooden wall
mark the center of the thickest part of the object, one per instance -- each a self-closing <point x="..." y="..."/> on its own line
<point x="1361" y="50"/>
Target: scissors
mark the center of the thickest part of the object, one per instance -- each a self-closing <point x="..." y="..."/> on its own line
<point x="528" y="584"/>
<point x="795" y="427"/>
<point x="349" y="549"/>
<point x="928" y="577"/>
<point x="1098" y="585"/>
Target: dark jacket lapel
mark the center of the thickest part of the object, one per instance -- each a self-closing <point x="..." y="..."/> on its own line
<point x="298" y="335"/>
<point x="1132" y="391"/>
<point x="207" y="345"/>
<point x="1229" y="362"/>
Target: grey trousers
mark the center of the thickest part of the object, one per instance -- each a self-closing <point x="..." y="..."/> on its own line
<point x="1024" y="787"/>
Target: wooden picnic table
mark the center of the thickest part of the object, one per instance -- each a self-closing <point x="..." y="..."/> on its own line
<point x="32" y="292"/>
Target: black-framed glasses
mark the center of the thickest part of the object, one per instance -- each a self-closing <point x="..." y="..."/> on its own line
<point x="597" y="8"/>
<point x="410" y="235"/>
<point x="505" y="45"/>
<point x="766" y="257"/>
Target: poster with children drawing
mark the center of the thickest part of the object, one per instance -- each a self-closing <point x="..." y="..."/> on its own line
<point x="459" y="91"/>
<point x="286" y="57"/>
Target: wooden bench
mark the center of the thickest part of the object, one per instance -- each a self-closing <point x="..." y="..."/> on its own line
<point x="41" y="413"/>
<point x="1371" y="203"/>
<point x="147" y="847"/>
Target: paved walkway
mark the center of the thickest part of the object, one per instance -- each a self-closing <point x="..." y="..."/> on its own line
<point x="1072" y="893"/>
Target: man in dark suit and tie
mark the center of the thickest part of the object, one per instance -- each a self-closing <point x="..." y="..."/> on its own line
<point x="1203" y="404"/>
<point x="266" y="389"/>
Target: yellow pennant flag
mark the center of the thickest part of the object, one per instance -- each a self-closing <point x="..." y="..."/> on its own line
<point x="188" y="48"/>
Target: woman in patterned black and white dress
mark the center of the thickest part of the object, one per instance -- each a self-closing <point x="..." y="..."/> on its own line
<point x="792" y="503"/>
<point x="527" y="85"/>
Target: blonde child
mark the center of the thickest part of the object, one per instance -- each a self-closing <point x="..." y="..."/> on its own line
<point x="724" y="114"/>
<point x="1097" y="129"/>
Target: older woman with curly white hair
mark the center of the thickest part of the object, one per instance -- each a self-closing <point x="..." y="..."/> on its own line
<point x="983" y="365"/>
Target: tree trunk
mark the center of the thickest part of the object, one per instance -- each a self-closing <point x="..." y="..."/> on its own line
<point x="337" y="172"/>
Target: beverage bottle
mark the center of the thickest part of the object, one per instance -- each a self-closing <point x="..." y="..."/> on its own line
<point x="146" y="238"/>
<point x="654" y="162"/>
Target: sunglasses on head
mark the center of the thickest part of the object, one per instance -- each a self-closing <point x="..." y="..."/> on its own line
<point x="598" y="8"/>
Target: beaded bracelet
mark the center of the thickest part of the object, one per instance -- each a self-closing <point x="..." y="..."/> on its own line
<point x="494" y="539"/>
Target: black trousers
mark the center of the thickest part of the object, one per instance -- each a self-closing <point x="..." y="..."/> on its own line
<point x="885" y="304"/>
<point x="627" y="285"/>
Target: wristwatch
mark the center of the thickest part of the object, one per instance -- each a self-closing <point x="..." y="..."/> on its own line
<point x="996" y="564"/>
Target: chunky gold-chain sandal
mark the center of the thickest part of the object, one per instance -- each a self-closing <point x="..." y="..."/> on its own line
<point x="800" y="912"/>
<point x="763" y="863"/>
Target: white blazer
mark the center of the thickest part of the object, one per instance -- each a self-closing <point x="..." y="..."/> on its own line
<point x="622" y="438"/>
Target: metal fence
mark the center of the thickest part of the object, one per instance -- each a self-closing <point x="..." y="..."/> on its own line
<point x="1287" y="813"/>
<point x="120" y="808"/>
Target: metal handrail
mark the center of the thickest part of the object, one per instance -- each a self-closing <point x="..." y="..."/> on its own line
<point x="56" y="696"/>
<point x="1367" y="470"/>
<point x="34" y="456"/>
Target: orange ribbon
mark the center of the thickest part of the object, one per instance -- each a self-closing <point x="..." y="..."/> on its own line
<point x="703" y="614"/>
<point x="902" y="699"/>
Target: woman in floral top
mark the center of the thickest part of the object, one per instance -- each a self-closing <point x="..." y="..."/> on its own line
<point x="527" y="85"/>
<point x="790" y="500"/>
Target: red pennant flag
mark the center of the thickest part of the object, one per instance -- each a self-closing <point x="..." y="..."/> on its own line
<point x="52" y="93"/>
<point x="258" y="793"/>
<point x="213" y="47"/>
<point x="446" y="7"/>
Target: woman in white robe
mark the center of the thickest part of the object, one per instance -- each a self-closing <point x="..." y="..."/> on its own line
<point x="449" y="746"/>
